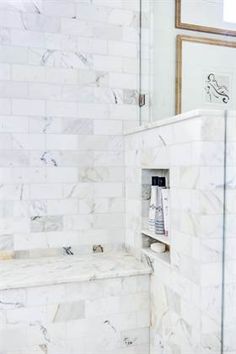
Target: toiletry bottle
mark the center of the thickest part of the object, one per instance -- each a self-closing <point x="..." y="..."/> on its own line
<point x="159" y="220"/>
<point x="165" y="203"/>
<point x="153" y="205"/>
<point x="156" y="220"/>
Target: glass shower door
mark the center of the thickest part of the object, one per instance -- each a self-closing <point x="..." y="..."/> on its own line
<point x="145" y="61"/>
<point x="209" y="326"/>
<point x="229" y="278"/>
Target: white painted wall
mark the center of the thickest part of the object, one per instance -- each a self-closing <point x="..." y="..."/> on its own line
<point x="159" y="79"/>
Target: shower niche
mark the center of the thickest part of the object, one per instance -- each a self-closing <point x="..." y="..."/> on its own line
<point x="149" y="236"/>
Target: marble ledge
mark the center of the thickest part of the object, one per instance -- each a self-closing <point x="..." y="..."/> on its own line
<point x="24" y="273"/>
<point x="178" y="118"/>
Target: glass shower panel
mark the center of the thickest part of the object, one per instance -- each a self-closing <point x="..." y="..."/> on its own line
<point x="229" y="279"/>
<point x="229" y="254"/>
<point x="187" y="62"/>
<point x="144" y="60"/>
<point x="229" y="225"/>
<point x="157" y="54"/>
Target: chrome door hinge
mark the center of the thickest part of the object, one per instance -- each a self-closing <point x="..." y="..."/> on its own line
<point x="141" y="100"/>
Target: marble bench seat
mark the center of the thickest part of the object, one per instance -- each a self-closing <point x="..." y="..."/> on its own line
<point x="57" y="270"/>
<point x="75" y="305"/>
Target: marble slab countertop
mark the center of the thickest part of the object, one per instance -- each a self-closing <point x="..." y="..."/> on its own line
<point x="66" y="269"/>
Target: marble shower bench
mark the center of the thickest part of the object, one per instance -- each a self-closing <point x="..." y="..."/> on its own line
<point x="75" y="305"/>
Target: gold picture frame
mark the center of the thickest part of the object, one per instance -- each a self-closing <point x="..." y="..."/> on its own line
<point x="196" y="27"/>
<point x="180" y="39"/>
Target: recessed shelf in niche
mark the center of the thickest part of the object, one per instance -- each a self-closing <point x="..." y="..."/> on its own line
<point x="147" y="240"/>
<point x="149" y="237"/>
<point x="161" y="238"/>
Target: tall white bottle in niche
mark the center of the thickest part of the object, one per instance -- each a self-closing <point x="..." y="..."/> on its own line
<point x="165" y="202"/>
<point x="156" y="217"/>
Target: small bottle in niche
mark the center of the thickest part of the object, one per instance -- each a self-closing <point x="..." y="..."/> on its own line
<point x="156" y="217"/>
<point x="165" y="203"/>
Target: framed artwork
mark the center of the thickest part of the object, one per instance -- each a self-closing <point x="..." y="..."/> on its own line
<point x="218" y="16"/>
<point x="205" y="74"/>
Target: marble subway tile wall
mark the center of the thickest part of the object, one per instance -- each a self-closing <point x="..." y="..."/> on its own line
<point x="68" y="88"/>
<point x="97" y="316"/>
<point x="186" y="292"/>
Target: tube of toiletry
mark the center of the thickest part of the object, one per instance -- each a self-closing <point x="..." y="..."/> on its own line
<point x="156" y="219"/>
<point x="165" y="203"/>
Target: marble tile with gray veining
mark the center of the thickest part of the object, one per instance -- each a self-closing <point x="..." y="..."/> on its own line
<point x="130" y="97"/>
<point x="73" y="60"/>
<point x="36" y="22"/>
<point x="101" y="79"/>
<point x="49" y="159"/>
<point x="108" y="95"/>
<point x="46" y="223"/>
<point x="33" y="6"/>
<point x="6" y="242"/>
<point x="38" y="207"/>
<point x="45" y="125"/>
<point x="77" y="126"/>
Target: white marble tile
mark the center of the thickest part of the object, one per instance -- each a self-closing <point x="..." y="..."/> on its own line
<point x="120" y="48"/>
<point x="27" y="73"/>
<point x="62" y="142"/>
<point x="5" y="107"/>
<point x="125" y="81"/>
<point x="4" y="71"/>
<point x="61" y="75"/>
<point x="28" y="107"/>
<point x="94" y="111"/>
<point x="107" y="127"/>
<point x="46" y="191"/>
<point x="92" y="45"/>
<point x="27" y="38"/>
<point x="78" y="127"/>
<point x="110" y="63"/>
<point x="5" y="37"/>
<point x="44" y="91"/>
<point x="107" y="31"/>
<point x="60" y="109"/>
<point x="121" y="17"/>
<point x="11" y="19"/>
<point x="61" y="9"/>
<point x="9" y="89"/>
<point x="73" y="26"/>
